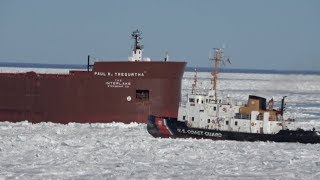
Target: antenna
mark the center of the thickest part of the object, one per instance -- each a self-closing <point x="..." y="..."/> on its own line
<point x="218" y="57"/>
<point x="136" y="35"/>
<point x="195" y="80"/>
<point x="283" y="104"/>
<point x="166" y="58"/>
<point x="137" y="47"/>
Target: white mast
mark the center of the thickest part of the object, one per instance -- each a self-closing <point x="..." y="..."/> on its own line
<point x="217" y="58"/>
<point x="137" y="47"/>
<point x="195" y="80"/>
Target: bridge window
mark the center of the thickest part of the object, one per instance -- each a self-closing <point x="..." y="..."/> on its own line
<point x="214" y="108"/>
<point x="208" y="120"/>
<point x="227" y="122"/>
<point x="142" y="95"/>
<point x="184" y="117"/>
<point x="236" y="123"/>
<point x="192" y="118"/>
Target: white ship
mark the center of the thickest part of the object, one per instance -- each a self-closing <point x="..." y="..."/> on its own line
<point x="207" y="116"/>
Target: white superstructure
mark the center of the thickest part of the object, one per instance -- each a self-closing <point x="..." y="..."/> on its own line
<point x="137" y="48"/>
<point x="207" y="111"/>
<point x="204" y="111"/>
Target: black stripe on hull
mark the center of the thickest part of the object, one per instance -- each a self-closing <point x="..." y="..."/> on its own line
<point x="181" y="130"/>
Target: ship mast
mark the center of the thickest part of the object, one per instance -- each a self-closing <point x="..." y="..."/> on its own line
<point x="137" y="47"/>
<point x="195" y="80"/>
<point x="283" y="104"/>
<point x="217" y="58"/>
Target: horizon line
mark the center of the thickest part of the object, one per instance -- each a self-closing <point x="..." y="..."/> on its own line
<point x="188" y="68"/>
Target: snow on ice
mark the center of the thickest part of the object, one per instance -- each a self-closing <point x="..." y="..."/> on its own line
<point x="127" y="151"/>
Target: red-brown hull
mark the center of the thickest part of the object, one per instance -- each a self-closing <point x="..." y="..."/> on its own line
<point x="112" y="91"/>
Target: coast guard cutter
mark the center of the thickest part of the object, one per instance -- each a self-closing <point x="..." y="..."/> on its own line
<point x="207" y="116"/>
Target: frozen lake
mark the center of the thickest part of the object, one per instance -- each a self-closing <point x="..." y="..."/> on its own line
<point x="127" y="151"/>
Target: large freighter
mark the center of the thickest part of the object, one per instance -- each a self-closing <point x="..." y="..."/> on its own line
<point x="108" y="91"/>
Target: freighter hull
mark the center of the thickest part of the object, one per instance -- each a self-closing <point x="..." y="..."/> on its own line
<point x="112" y="91"/>
<point x="170" y="127"/>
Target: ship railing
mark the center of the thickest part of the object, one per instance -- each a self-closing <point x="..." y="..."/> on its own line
<point x="242" y="116"/>
<point x="259" y="117"/>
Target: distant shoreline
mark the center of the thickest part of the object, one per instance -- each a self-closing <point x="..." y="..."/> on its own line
<point x="188" y="69"/>
<point x="255" y="71"/>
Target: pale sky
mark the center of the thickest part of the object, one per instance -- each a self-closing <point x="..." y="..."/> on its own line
<point x="258" y="34"/>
